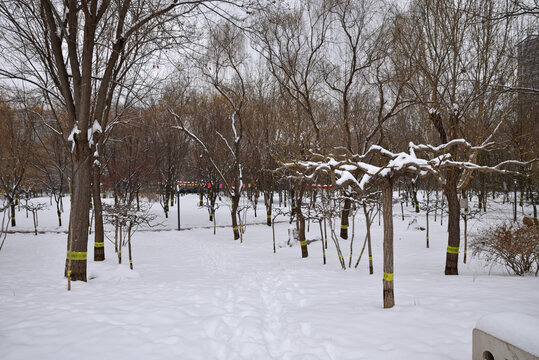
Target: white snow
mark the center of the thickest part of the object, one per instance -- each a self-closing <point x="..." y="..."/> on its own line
<point x="95" y="129"/>
<point x="71" y="138"/>
<point x="515" y="328"/>
<point x="195" y="295"/>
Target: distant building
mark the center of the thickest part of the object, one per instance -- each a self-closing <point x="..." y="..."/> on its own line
<point x="528" y="63"/>
<point x="528" y="97"/>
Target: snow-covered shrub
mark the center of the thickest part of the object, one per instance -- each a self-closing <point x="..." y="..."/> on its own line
<point x="513" y="245"/>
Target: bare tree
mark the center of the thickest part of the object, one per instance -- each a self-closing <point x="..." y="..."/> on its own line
<point x="78" y="53"/>
<point x="224" y="67"/>
<point x="461" y="58"/>
<point x="16" y="153"/>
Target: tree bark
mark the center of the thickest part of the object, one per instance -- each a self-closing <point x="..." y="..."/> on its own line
<point x="368" y="223"/>
<point x="301" y="223"/>
<point x="99" y="235"/>
<point x="268" y="201"/>
<point x="80" y="207"/>
<point x="234" y="214"/>
<point x="453" y="242"/>
<point x="58" y="212"/>
<point x="387" y="203"/>
<point x="129" y="245"/>
<point x="345" y="218"/>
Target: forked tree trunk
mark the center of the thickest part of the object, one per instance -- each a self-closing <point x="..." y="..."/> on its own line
<point x="453" y="243"/>
<point x="99" y="236"/>
<point x="387" y="203"/>
<point x="345" y="218"/>
<point x="80" y="207"/>
<point x="368" y="223"/>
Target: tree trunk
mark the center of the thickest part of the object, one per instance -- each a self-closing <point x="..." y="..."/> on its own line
<point x="301" y="223"/>
<point x="80" y="207"/>
<point x="120" y="243"/>
<point x="129" y="245"/>
<point x="387" y="200"/>
<point x="99" y="235"/>
<point x="293" y="205"/>
<point x="200" y="196"/>
<point x="415" y="201"/>
<point x="268" y="201"/>
<point x="344" y="218"/>
<point x="116" y="234"/>
<point x="534" y="208"/>
<point x="234" y="214"/>
<point x="213" y="198"/>
<point x="465" y="237"/>
<point x="322" y="241"/>
<point x="453" y="243"/>
<point x="34" y="217"/>
<point x="13" y="223"/>
<point x="58" y="212"/>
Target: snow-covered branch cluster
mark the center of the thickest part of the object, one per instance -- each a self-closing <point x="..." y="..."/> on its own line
<point x="356" y="172"/>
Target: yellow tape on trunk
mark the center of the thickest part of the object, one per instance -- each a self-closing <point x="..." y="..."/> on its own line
<point x="99" y="244"/>
<point x="73" y="255"/>
<point x="388" y="276"/>
<point x="452" y="249"/>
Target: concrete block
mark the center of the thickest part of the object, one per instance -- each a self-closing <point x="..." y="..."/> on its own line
<point x="488" y="347"/>
<point x="506" y="336"/>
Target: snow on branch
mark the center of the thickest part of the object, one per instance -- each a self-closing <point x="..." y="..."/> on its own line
<point x="353" y="171"/>
<point x="73" y="136"/>
<point x="343" y="172"/>
<point x="447" y="146"/>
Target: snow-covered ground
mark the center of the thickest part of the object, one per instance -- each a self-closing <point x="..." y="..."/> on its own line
<point x="195" y="295"/>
